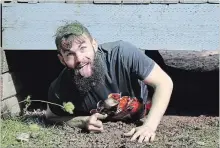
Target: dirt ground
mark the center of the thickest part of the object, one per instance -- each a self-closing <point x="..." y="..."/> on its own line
<point x="191" y="60"/>
<point x="173" y="132"/>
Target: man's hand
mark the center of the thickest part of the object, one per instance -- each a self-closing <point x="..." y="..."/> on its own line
<point x="144" y="133"/>
<point x="94" y="122"/>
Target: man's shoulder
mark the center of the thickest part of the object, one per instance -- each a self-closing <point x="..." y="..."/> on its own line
<point x="115" y="45"/>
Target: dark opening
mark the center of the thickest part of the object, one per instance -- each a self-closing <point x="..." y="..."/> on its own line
<point x="195" y="92"/>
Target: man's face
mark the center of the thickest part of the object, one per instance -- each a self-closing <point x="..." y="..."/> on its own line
<point x="80" y="56"/>
<point x="85" y="66"/>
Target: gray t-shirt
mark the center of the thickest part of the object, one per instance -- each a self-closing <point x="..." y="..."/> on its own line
<point x="126" y="67"/>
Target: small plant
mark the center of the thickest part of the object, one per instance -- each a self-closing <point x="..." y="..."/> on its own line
<point x="67" y="106"/>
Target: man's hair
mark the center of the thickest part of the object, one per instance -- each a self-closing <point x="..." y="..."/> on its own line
<point x="67" y="33"/>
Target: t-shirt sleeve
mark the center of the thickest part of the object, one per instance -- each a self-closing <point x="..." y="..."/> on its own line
<point x="54" y="98"/>
<point x="136" y="61"/>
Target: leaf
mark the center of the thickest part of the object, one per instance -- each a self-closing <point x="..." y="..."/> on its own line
<point x="28" y="101"/>
<point x="68" y="107"/>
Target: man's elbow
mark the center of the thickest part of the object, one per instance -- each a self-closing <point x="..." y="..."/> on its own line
<point x="170" y="82"/>
<point x="165" y="84"/>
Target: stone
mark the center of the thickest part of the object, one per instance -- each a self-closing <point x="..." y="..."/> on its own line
<point x="10" y="107"/>
<point x="11" y="84"/>
<point x="23" y="137"/>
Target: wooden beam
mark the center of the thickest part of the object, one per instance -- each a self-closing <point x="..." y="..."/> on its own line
<point x="152" y="27"/>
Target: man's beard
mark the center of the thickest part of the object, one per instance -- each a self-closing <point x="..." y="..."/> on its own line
<point x="85" y="84"/>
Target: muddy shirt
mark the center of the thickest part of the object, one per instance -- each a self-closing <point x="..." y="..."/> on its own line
<point x="125" y="68"/>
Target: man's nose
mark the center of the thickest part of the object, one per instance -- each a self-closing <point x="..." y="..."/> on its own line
<point x="79" y="57"/>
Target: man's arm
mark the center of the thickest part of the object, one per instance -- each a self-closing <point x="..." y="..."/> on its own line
<point x="145" y="69"/>
<point x="56" y="114"/>
<point x="91" y="123"/>
<point x="69" y="120"/>
<point x="163" y="86"/>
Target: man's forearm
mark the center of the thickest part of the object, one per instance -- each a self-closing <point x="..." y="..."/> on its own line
<point x="160" y="101"/>
<point x="79" y="121"/>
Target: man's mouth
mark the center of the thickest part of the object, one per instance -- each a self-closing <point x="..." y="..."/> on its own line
<point x="85" y="70"/>
<point x="81" y="66"/>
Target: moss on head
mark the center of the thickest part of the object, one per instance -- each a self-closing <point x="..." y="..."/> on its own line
<point x="69" y="32"/>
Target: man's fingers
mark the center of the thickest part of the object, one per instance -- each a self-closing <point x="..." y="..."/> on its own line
<point x="94" y="129"/>
<point x="96" y="123"/>
<point x="152" y="137"/>
<point x="94" y="119"/>
<point x="100" y="116"/>
<point x="130" y="133"/>
<point x="146" y="139"/>
<point x="97" y="116"/>
<point x="134" y="137"/>
<point x="141" y="138"/>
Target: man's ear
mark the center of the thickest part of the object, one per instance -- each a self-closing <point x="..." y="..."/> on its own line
<point x="61" y="59"/>
<point x="95" y="44"/>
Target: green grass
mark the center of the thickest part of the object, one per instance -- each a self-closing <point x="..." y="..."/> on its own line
<point x="44" y="136"/>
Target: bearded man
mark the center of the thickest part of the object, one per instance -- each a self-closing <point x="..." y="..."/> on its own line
<point x="95" y="72"/>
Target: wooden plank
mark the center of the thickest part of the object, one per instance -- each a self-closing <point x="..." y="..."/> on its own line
<point x="28" y="1"/>
<point x="115" y="1"/>
<point x="214" y="1"/>
<point x="107" y="1"/>
<point x="9" y="1"/>
<point x="153" y="27"/>
<point x="51" y="1"/>
<point x="1" y="27"/>
<point x="164" y="1"/>
<point x="132" y="1"/>
<point x="146" y="1"/>
<point x="80" y="1"/>
<point x="193" y="1"/>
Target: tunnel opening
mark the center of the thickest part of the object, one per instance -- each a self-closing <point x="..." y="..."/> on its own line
<point x="195" y="92"/>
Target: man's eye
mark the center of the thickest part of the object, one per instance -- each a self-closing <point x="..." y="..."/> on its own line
<point x="69" y="54"/>
<point x="82" y="49"/>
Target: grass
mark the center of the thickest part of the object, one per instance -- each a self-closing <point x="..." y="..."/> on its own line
<point x="41" y="135"/>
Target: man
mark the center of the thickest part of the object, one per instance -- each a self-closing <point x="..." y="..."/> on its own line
<point x="93" y="71"/>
